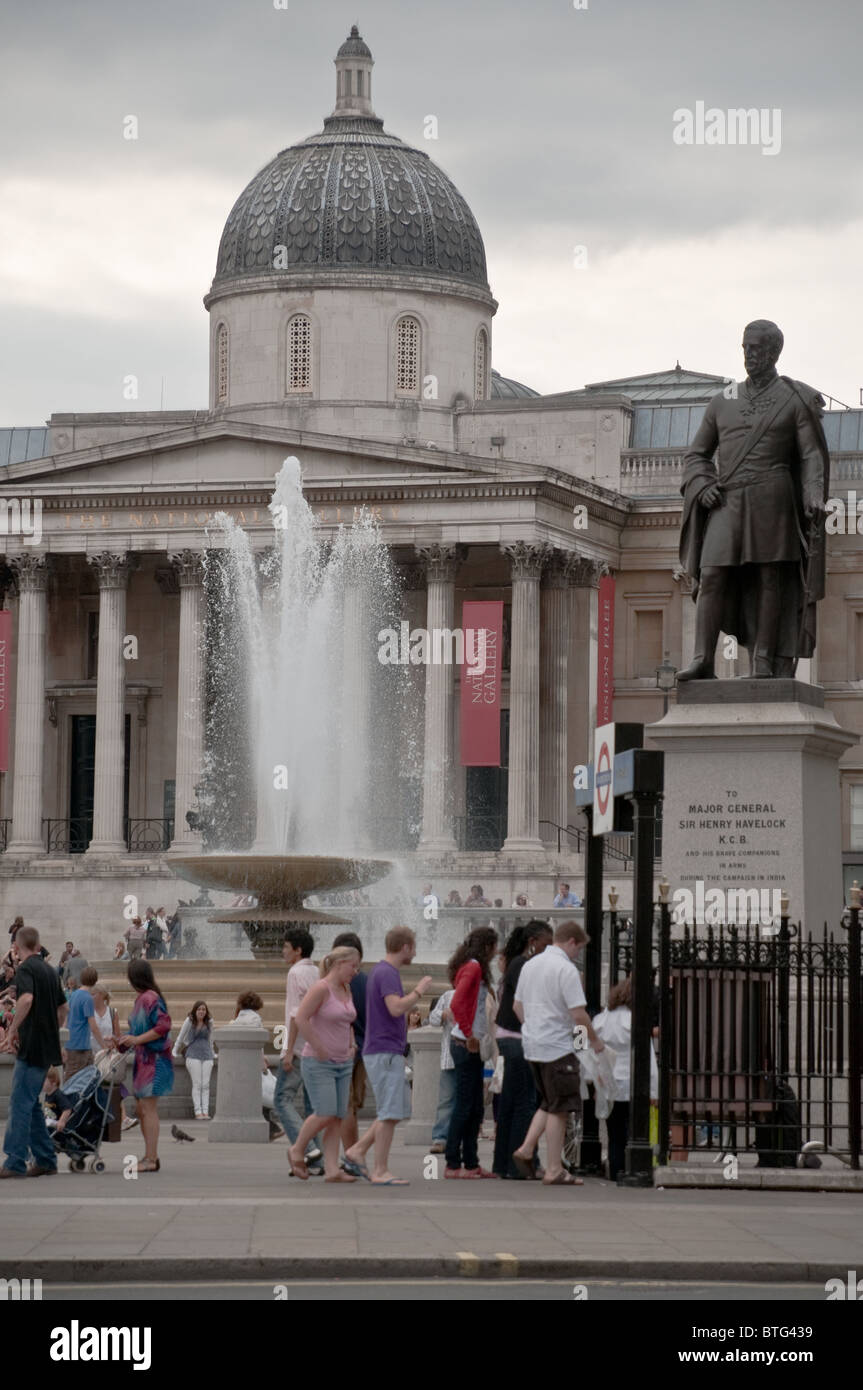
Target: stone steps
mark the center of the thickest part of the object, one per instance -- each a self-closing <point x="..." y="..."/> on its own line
<point x="219" y="982"/>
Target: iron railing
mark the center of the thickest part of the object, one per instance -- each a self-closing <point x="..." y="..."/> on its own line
<point x="67" y="835"/>
<point x="149" y="835"/>
<point x="760" y="1039"/>
<point x="5" y="828"/>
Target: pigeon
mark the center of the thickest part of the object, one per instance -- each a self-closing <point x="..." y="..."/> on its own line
<point x="181" y="1134"/>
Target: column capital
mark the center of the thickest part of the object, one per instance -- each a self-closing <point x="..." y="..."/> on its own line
<point x="441" y="561"/>
<point x="31" y="572"/>
<point x="527" y="560"/>
<point x="188" y="566"/>
<point x="113" y="569"/>
<point x="585" y="573"/>
<point x="412" y="578"/>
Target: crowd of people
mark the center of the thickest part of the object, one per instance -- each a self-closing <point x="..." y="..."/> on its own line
<point x="475" y="897"/>
<point x="508" y="1024"/>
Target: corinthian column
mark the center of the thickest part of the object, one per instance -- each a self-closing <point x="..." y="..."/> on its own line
<point x="189" y="568"/>
<point x="32" y="574"/>
<point x="555" y="607"/>
<point x="523" y="802"/>
<point x="113" y="571"/>
<point x="437" y="825"/>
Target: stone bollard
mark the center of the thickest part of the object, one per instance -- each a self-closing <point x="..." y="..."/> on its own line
<point x="239" y="1117"/>
<point x="425" y="1063"/>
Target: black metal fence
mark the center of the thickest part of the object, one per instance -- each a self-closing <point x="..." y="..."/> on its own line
<point x="759" y="1039"/>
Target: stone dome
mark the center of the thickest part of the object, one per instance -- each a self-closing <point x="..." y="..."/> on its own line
<point x="350" y="199"/>
<point x="354" y="46"/>
<point x="505" y="388"/>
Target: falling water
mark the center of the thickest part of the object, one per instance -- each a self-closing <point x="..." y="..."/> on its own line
<point x="316" y="713"/>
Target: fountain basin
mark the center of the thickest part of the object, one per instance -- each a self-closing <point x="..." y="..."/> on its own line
<point x="279" y="882"/>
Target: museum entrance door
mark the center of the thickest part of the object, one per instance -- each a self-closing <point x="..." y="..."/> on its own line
<point x="485" y="821"/>
<point x="82" y="780"/>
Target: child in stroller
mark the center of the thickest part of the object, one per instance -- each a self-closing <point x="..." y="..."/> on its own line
<point x="85" y="1112"/>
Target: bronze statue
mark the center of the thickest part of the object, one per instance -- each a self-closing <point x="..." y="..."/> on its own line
<point x="752" y="535"/>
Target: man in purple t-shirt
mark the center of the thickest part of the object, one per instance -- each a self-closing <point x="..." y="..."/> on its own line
<point x="387" y="1008"/>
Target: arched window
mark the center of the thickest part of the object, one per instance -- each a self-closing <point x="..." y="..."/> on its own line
<point x="222" y="364"/>
<point x="480" y="372"/>
<point x="300" y="354"/>
<point x="407" y="357"/>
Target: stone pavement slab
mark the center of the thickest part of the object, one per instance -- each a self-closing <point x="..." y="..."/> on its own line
<point x="233" y="1212"/>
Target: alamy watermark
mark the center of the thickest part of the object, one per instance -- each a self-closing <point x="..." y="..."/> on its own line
<point x="21" y="517"/>
<point x="736" y="126"/>
<point x="442" y="646"/>
<point x="727" y="906"/>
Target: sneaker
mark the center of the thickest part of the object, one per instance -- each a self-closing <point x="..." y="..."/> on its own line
<point x="129" y="1122"/>
<point x="36" y="1170"/>
<point x="313" y="1155"/>
<point x="315" y="1170"/>
<point x="438" y="1148"/>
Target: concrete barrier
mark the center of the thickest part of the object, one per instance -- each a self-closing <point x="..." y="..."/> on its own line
<point x="425" y="1064"/>
<point x="239" y="1118"/>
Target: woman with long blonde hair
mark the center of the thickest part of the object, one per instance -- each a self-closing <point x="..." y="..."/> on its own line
<point x="325" y="1019"/>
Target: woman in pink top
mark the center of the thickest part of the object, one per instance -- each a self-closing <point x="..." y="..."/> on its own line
<point x="325" y="1019"/>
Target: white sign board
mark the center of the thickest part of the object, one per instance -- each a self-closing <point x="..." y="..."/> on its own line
<point x="603" y="779"/>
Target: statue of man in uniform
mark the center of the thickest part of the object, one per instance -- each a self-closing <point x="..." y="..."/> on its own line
<point x="754" y="501"/>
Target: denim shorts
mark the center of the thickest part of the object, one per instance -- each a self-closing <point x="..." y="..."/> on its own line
<point x="386" y="1072"/>
<point x="328" y="1085"/>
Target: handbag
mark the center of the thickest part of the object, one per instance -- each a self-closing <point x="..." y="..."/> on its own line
<point x="495" y="1086"/>
<point x="268" y="1089"/>
<point x="111" y="1065"/>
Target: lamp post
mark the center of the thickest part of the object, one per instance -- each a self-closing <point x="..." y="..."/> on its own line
<point x="855" y="1008"/>
<point x="613" y="897"/>
<point x="666" y="677"/>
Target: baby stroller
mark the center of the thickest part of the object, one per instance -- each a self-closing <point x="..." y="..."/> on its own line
<point x="90" y="1090"/>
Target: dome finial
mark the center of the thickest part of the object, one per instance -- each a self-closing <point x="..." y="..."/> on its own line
<point x="354" y="65"/>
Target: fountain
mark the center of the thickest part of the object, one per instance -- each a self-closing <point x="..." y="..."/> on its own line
<point x="300" y="713"/>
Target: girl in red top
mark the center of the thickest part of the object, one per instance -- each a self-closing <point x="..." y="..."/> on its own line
<point x="469" y="975"/>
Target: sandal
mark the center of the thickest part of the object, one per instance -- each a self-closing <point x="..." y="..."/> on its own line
<point x="149" y="1165"/>
<point x="298" y="1168"/>
<point x="341" y="1177"/>
<point x="524" y="1165"/>
<point x="563" y="1180"/>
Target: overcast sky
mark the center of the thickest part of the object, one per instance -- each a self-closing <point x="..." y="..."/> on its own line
<point x="555" y="123"/>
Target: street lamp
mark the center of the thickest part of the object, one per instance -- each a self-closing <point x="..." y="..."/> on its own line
<point x="666" y="677"/>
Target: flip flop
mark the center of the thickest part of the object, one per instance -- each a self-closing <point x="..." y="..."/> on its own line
<point x="524" y="1165"/>
<point x="563" y="1180"/>
<point x="391" y="1182"/>
<point x="356" y="1170"/>
<point x="341" y="1177"/>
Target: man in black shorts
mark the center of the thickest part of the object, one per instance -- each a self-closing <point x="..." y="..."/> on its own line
<point x="550" y="1002"/>
<point x="35" y="1035"/>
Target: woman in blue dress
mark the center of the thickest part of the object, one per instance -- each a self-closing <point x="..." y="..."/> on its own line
<point x="153" y="1073"/>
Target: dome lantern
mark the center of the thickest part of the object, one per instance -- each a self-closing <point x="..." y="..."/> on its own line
<point x="354" y="63"/>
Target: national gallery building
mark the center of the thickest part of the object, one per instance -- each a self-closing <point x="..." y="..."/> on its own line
<point x="352" y="325"/>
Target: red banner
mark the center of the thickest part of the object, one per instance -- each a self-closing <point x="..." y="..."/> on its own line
<point x="605" y="653"/>
<point x="5" y="651"/>
<point x="482" y="625"/>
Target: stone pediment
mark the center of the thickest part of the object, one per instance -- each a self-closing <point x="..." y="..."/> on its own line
<point x="233" y="454"/>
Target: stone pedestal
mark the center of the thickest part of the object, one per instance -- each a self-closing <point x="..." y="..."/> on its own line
<point x="752" y="798"/>
<point x="239" y="1116"/>
<point x="425" y="1064"/>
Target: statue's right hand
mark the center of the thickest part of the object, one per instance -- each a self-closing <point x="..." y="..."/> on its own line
<point x="711" y="497"/>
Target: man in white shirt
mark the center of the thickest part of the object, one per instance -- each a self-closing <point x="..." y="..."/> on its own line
<point x="302" y="974"/>
<point x="550" y="1001"/>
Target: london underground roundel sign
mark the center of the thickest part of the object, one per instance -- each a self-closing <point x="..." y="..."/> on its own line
<point x="603" y="779"/>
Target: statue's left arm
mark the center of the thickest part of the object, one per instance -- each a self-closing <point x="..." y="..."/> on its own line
<point x="811" y="449"/>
